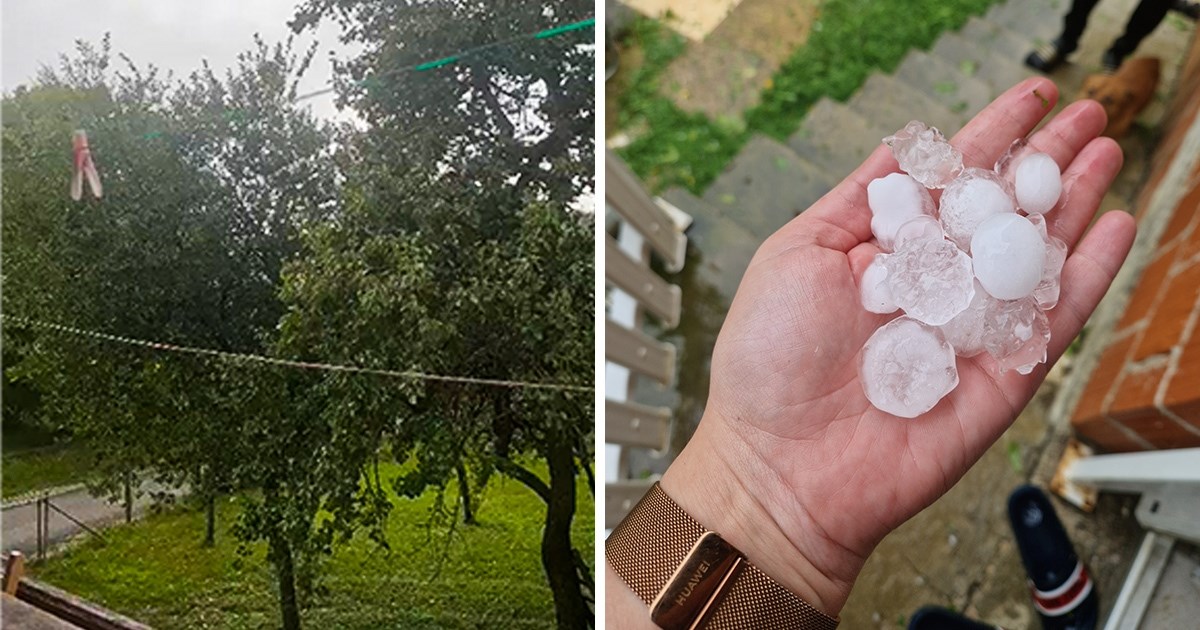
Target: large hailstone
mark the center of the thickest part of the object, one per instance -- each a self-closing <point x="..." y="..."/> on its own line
<point x="922" y="228"/>
<point x="1004" y="165"/>
<point x="971" y="199"/>
<point x="923" y="152"/>
<point x="907" y="367"/>
<point x="1038" y="183"/>
<point x="875" y="292"/>
<point x="1016" y="334"/>
<point x="931" y="280"/>
<point x="895" y="200"/>
<point x="965" y="332"/>
<point x="1009" y="256"/>
<point x="1047" y="291"/>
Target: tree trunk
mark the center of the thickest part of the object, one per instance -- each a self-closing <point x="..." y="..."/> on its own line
<point x="289" y="608"/>
<point x="210" y="520"/>
<point x="464" y="491"/>
<point x="558" y="556"/>
<point x="128" y="497"/>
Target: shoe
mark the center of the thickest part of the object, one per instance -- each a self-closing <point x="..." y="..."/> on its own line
<point x="1110" y="61"/>
<point x="1046" y="58"/>
<point x="1064" y="594"/>
<point x="1188" y="9"/>
<point x="935" y="618"/>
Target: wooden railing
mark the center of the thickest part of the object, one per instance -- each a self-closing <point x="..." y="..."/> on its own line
<point x="39" y="605"/>
<point x="643" y="230"/>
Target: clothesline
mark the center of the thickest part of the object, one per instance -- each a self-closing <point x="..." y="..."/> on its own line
<point x="290" y="363"/>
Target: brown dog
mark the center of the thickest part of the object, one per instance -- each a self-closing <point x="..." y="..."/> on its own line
<point x="1123" y="94"/>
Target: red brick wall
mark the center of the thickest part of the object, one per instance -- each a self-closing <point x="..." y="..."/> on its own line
<point x="1145" y="391"/>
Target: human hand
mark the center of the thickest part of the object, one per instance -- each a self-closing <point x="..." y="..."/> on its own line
<point x="791" y="464"/>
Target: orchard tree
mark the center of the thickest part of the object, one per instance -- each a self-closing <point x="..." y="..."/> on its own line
<point x="519" y="113"/>
<point x="459" y="279"/>
<point x="207" y="186"/>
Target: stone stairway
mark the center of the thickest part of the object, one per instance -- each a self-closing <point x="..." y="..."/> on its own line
<point x="769" y="182"/>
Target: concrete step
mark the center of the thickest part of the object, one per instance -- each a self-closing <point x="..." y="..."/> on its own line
<point x="1000" y="40"/>
<point x="945" y="82"/>
<point x="723" y="248"/>
<point x="1007" y="44"/>
<point x="766" y="186"/>
<point x="890" y="103"/>
<point x="836" y="137"/>
<point x="980" y="62"/>
<point x="1039" y="21"/>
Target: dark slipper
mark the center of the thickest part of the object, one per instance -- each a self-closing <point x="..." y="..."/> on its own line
<point x="1110" y="61"/>
<point x="1046" y="58"/>
<point x="1064" y="594"/>
<point x="1189" y="9"/>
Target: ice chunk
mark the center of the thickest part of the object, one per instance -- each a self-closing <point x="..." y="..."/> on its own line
<point x="1047" y="291"/>
<point x="1016" y="334"/>
<point x="923" y="152"/>
<point x="965" y="331"/>
<point x="895" y="200"/>
<point x="907" y="367"/>
<point x="921" y="228"/>
<point x="1004" y="166"/>
<point x="931" y="280"/>
<point x="875" y="292"/>
<point x="1009" y="256"/>
<point x="969" y="200"/>
<point x="1038" y="183"/>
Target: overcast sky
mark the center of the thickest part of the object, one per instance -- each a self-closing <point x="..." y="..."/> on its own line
<point x="171" y="34"/>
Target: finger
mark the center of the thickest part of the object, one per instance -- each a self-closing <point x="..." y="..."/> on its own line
<point x="1013" y="115"/>
<point x="842" y="219"/>
<point x="1086" y="277"/>
<point x="1067" y="133"/>
<point x="1089" y="272"/>
<point x="860" y="258"/>
<point x="1084" y="183"/>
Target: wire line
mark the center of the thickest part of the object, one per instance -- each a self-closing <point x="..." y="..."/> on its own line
<point x="308" y="365"/>
<point x="454" y="58"/>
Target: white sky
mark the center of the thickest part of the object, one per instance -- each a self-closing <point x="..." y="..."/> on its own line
<point x="174" y="35"/>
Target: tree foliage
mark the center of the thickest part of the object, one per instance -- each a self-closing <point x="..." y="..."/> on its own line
<point x="208" y="183"/>
<point x="521" y="113"/>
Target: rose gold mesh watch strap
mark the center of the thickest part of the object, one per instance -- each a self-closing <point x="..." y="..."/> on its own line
<point x="656" y="537"/>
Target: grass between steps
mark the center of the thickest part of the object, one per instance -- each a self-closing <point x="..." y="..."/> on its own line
<point x="849" y="40"/>
<point x="491" y="576"/>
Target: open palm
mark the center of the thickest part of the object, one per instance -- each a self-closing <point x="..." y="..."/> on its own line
<point x="787" y="420"/>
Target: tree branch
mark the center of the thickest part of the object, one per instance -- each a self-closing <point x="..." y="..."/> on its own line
<point x="524" y="475"/>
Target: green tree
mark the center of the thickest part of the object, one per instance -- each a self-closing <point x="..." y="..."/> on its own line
<point x="207" y="186"/>
<point x="520" y="114"/>
<point x="451" y="277"/>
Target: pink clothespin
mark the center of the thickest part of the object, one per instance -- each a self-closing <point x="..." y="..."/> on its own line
<point x="84" y="167"/>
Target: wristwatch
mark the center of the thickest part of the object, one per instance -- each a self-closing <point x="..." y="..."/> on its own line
<point x="693" y="579"/>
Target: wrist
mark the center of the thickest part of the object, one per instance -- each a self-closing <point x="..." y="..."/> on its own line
<point x="729" y="490"/>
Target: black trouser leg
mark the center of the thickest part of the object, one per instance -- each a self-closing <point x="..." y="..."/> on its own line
<point x="1074" y="23"/>
<point x="1146" y="17"/>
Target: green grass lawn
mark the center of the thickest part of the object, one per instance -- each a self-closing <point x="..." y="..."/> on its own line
<point x="47" y="467"/>
<point x="849" y="40"/>
<point x="156" y="571"/>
